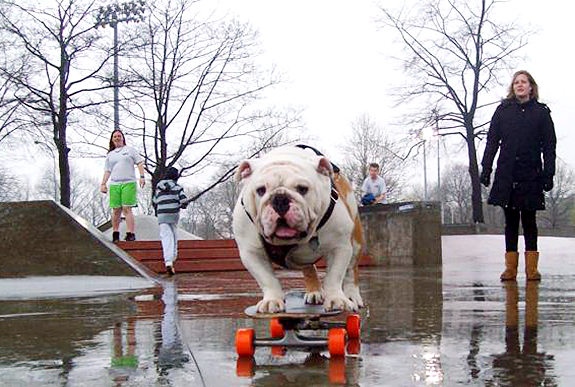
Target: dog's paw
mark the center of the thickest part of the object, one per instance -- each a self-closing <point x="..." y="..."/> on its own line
<point x="339" y="302"/>
<point x="352" y="292"/>
<point x="313" y="298"/>
<point x="271" y="305"/>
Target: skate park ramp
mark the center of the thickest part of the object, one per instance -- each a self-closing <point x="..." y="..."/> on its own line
<point x="43" y="238"/>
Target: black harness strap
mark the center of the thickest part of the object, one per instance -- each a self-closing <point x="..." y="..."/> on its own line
<point x="332" y="199"/>
<point x="277" y="254"/>
<point x="246" y="211"/>
<point x="304" y="146"/>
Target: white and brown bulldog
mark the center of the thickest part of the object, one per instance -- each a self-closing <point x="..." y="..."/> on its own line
<point x="292" y="210"/>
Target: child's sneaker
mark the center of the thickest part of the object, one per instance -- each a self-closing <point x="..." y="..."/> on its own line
<point x="170" y="270"/>
<point x="115" y="236"/>
<point x="130" y="236"/>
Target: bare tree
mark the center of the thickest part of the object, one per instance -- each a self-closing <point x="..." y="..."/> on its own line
<point x="13" y="188"/>
<point x="9" y="119"/>
<point x="456" y="192"/>
<point x="85" y="197"/>
<point x="559" y="201"/>
<point x="454" y="53"/>
<point x="195" y="91"/>
<point x="55" y="74"/>
<point x="211" y="215"/>
<point x="9" y="106"/>
<point x="368" y="143"/>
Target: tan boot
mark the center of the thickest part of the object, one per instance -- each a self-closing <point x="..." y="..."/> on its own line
<point x="511" y="261"/>
<point x="531" y="260"/>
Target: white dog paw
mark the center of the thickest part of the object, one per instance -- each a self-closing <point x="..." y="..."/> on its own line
<point x="313" y="298"/>
<point x="352" y="293"/>
<point x="271" y="305"/>
<point x="339" y="302"/>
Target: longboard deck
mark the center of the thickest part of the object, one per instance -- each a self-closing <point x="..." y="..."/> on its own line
<point x="295" y="308"/>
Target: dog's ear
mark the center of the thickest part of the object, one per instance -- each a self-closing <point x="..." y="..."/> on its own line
<point x="324" y="167"/>
<point x="244" y="170"/>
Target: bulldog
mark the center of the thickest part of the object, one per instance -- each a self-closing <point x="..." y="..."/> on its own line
<point x="292" y="210"/>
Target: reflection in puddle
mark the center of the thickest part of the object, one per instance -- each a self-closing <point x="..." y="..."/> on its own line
<point x="418" y="323"/>
<point x="522" y="365"/>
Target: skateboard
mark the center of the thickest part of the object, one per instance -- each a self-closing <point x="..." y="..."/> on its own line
<point x="288" y="329"/>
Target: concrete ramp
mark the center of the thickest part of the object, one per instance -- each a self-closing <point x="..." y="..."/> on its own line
<point x="43" y="238"/>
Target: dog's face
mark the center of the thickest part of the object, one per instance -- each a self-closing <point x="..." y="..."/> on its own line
<point x="286" y="194"/>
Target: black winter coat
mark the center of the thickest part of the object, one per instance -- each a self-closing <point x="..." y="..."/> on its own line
<point x="522" y="132"/>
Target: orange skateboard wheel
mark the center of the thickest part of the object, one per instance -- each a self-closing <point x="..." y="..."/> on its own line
<point x="276" y="329"/>
<point x="353" y="326"/>
<point x="336" y="371"/>
<point x="245" y="366"/>
<point x="353" y="346"/>
<point x="278" y="351"/>
<point x="336" y="341"/>
<point x="245" y="342"/>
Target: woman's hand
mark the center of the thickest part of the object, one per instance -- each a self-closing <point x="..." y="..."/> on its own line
<point x="142" y="182"/>
<point x="103" y="188"/>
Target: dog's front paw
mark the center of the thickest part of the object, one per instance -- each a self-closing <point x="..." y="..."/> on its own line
<point x="313" y="298"/>
<point x="271" y="305"/>
<point x="339" y="302"/>
<point x="352" y="293"/>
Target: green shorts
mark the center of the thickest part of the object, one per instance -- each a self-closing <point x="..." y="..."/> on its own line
<point x="123" y="195"/>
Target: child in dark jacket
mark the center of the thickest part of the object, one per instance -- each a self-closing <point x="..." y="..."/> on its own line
<point x="168" y="198"/>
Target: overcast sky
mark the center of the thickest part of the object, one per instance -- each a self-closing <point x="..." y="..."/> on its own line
<point x="336" y="60"/>
<point x="336" y="63"/>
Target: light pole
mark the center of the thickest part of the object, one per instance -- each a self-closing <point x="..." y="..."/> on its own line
<point x="112" y="14"/>
<point x="53" y="167"/>
<point x="426" y="133"/>
<point x="425" y="170"/>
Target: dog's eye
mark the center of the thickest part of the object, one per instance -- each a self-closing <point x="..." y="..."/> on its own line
<point x="302" y="190"/>
<point x="261" y="191"/>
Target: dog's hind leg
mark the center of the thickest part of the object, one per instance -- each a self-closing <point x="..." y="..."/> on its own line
<point x="313" y="292"/>
<point x="351" y="279"/>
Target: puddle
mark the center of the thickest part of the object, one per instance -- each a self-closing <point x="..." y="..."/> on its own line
<point x="422" y="326"/>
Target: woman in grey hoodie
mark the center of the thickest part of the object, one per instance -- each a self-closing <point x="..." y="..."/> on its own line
<point x="168" y="198"/>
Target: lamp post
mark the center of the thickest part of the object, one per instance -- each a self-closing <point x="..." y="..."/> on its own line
<point x="112" y="14"/>
<point x="53" y="166"/>
<point x="425" y="170"/>
<point x="427" y="134"/>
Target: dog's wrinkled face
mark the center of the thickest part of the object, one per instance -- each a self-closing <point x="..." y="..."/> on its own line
<point x="286" y="197"/>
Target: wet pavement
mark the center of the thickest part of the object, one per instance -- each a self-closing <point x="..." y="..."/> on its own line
<point x="454" y="325"/>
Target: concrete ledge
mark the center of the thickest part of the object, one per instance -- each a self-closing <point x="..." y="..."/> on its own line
<point x="403" y="234"/>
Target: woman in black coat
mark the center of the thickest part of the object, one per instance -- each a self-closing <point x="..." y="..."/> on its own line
<point x="523" y="131"/>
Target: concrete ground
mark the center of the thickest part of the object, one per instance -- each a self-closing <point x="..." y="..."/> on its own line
<point x="453" y="325"/>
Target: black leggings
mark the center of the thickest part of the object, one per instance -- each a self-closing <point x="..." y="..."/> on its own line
<point x="528" y="220"/>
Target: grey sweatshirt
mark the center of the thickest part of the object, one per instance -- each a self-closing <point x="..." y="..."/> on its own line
<point x="168" y="198"/>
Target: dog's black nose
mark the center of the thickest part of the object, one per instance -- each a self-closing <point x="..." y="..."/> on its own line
<point x="280" y="204"/>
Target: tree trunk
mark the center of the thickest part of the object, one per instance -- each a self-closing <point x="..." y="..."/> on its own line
<point x="476" y="202"/>
<point x="64" y="164"/>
